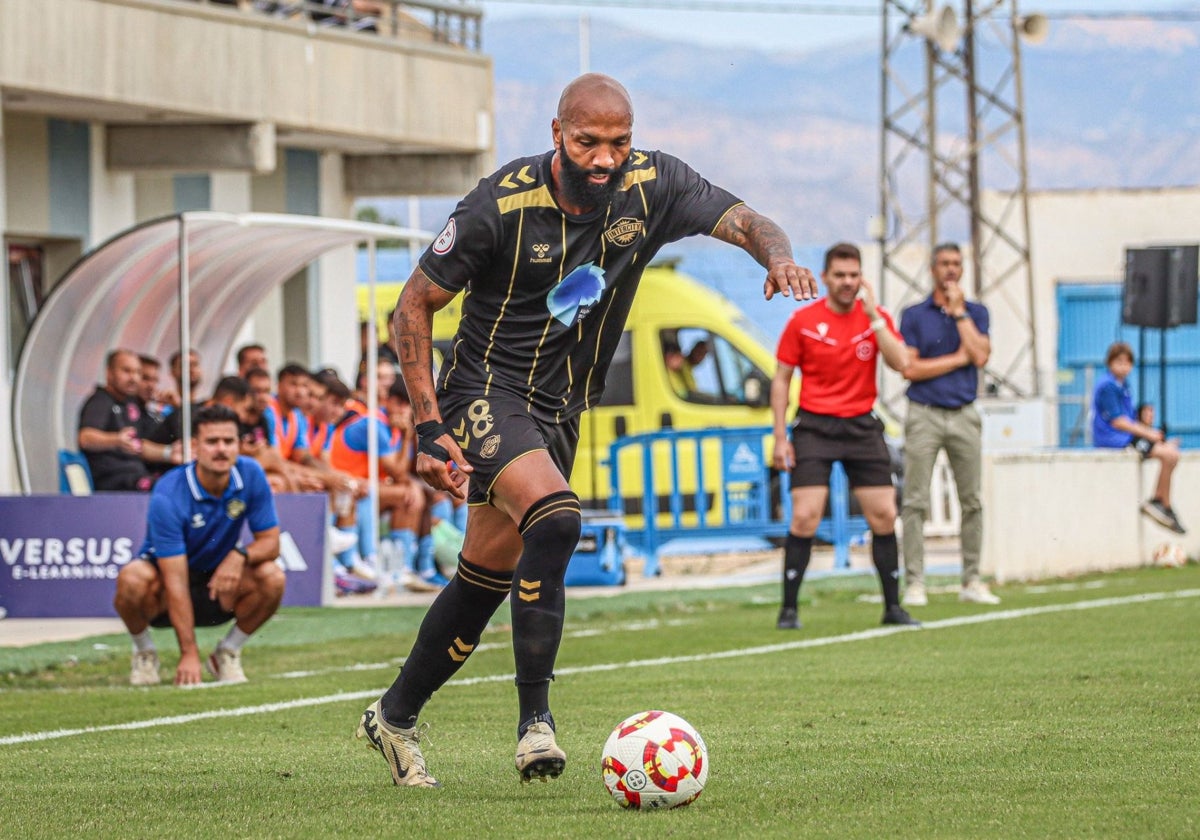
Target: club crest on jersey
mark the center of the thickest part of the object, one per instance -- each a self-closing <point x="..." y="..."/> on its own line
<point x="624" y="231"/>
<point x="865" y="351"/>
<point x="490" y="447"/>
<point x="574" y="297"/>
<point x="445" y="240"/>
<point x="540" y="250"/>
<point x="235" y="508"/>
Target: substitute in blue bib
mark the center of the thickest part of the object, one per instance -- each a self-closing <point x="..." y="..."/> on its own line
<point x="192" y="571"/>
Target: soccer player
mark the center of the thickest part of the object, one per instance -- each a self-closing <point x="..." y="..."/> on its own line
<point x="192" y="571"/>
<point x="835" y="344"/>
<point x="550" y="249"/>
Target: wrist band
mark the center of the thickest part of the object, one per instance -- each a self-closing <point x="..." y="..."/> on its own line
<point x="878" y="324"/>
<point x="427" y="435"/>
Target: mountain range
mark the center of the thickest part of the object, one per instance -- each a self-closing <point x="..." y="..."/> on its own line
<point x="1107" y="104"/>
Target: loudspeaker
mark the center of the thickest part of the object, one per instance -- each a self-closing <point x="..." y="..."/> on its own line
<point x="940" y="27"/>
<point x="1160" y="286"/>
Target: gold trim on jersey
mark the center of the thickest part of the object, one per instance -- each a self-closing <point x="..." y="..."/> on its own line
<point x="512" y="282"/>
<point x="537" y="352"/>
<point x="723" y="215"/>
<point x="639" y="176"/>
<point x="537" y="197"/>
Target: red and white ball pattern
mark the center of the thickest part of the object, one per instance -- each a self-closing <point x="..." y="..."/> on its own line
<point x="1170" y="556"/>
<point x="654" y="760"/>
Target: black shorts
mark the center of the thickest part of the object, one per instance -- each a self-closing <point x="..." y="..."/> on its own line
<point x="205" y="611"/>
<point x="820" y="439"/>
<point x="1143" y="446"/>
<point x="495" y="430"/>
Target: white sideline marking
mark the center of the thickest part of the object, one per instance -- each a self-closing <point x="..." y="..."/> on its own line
<point x="878" y="632"/>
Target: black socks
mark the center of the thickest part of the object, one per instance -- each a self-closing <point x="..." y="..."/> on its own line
<point x="886" y="557"/>
<point x="550" y="530"/>
<point x="796" y="553"/>
<point x="448" y="635"/>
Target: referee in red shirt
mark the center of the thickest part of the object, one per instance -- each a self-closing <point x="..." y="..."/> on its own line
<point x="835" y="343"/>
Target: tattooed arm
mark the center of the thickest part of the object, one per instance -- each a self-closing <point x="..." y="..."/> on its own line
<point x="413" y="322"/>
<point x="764" y="240"/>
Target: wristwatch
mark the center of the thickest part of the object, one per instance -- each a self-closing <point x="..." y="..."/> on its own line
<point x="243" y="552"/>
<point x="961" y="317"/>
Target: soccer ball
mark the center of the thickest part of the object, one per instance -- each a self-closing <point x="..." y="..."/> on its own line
<point x="654" y="760"/>
<point x="1169" y="555"/>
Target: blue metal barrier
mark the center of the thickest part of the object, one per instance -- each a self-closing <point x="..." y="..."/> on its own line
<point x="731" y="492"/>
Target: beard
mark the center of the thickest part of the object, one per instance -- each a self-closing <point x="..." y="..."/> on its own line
<point x="577" y="187"/>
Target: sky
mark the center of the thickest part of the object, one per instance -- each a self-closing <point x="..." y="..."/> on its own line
<point x="777" y="31"/>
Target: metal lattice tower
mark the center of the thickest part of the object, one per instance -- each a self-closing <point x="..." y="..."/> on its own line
<point x="952" y="107"/>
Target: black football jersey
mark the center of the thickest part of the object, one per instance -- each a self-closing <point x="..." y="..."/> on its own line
<point x="546" y="292"/>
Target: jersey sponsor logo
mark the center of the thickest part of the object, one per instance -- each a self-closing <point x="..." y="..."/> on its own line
<point x="823" y="329"/>
<point x="540" y="250"/>
<point x="575" y="296"/>
<point x="445" y="240"/>
<point x="235" y="508"/>
<point x="624" y="231"/>
<point x="865" y="351"/>
<point x="490" y="446"/>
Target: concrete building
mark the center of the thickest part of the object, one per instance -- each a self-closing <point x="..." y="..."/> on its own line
<point x="114" y="112"/>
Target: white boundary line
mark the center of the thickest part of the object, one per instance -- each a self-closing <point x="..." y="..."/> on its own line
<point x="879" y="632"/>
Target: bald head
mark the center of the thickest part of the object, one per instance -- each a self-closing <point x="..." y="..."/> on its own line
<point x="594" y="95"/>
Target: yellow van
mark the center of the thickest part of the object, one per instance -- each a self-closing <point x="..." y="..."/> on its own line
<point x="689" y="359"/>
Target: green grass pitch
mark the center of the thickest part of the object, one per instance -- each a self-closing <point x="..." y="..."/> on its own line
<point x="1072" y="710"/>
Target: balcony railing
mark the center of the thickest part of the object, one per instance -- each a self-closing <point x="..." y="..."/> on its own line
<point x="452" y="23"/>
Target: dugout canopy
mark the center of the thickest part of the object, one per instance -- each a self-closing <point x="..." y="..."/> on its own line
<point x="129" y="292"/>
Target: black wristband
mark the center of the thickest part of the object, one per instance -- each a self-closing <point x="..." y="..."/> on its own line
<point x="245" y="554"/>
<point x="427" y="435"/>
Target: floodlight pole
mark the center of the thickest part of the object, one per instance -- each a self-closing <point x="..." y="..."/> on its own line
<point x="948" y="162"/>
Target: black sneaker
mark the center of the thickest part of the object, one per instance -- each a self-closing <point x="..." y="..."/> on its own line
<point x="789" y="619"/>
<point x="898" y="615"/>
<point x="1175" y="525"/>
<point x="1161" y="514"/>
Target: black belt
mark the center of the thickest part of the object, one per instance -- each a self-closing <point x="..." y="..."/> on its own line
<point x="946" y="407"/>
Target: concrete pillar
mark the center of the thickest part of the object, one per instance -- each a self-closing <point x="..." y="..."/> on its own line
<point x="337" y="329"/>
<point x="269" y="195"/>
<point x="113" y="195"/>
<point x="8" y="464"/>
<point x="231" y="193"/>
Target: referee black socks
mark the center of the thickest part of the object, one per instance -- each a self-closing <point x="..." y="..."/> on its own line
<point x="886" y="557"/>
<point x="796" y="553"/>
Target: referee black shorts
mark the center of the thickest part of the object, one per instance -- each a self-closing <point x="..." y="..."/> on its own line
<point x="495" y="430"/>
<point x="821" y="439"/>
<point x="206" y="612"/>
